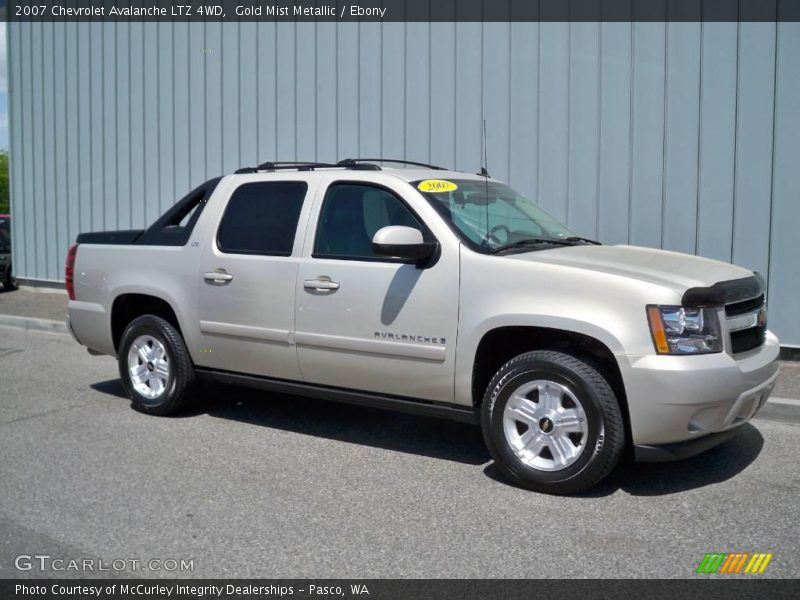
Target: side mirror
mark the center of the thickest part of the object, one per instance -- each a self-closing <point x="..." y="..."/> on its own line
<point x="398" y="241"/>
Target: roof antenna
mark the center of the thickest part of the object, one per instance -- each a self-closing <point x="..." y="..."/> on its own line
<point x="484" y="168"/>
<point x="485" y="174"/>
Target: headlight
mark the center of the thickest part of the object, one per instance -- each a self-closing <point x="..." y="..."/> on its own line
<point x="680" y="330"/>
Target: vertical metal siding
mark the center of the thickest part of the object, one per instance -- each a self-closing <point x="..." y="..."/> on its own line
<point x="676" y="135"/>
<point x="784" y="244"/>
<point x="717" y="140"/>
<point x="614" y="181"/>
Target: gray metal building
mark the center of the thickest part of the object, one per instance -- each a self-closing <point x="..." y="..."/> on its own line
<point x="684" y="136"/>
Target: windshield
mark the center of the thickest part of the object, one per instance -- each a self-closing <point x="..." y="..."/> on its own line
<point x="490" y="216"/>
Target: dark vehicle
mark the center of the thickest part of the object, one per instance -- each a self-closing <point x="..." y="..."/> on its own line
<point x="6" y="273"/>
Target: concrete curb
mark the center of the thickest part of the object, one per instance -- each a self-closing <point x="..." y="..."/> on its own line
<point x="34" y="289"/>
<point x="32" y="323"/>
<point x="783" y="410"/>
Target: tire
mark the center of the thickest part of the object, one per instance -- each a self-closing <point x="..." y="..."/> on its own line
<point x="9" y="282"/>
<point x="552" y="423"/>
<point x="167" y="372"/>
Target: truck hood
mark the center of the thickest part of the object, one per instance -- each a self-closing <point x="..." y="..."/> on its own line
<point x="674" y="270"/>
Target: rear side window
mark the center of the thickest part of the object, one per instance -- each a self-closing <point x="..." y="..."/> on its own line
<point x="261" y="218"/>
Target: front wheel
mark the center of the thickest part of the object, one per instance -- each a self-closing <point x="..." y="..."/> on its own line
<point x="155" y="366"/>
<point x="552" y="423"/>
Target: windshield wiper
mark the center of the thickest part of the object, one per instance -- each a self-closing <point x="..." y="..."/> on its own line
<point x="532" y="242"/>
<point x="577" y="238"/>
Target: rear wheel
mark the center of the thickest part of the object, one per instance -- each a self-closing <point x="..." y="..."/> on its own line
<point x="552" y="423"/>
<point x="155" y="366"/>
<point x="9" y="282"/>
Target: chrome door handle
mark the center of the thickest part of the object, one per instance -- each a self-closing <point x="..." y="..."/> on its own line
<point x="321" y="284"/>
<point x="218" y="276"/>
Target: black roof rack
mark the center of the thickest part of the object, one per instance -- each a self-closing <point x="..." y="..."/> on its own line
<point x="358" y="165"/>
<point x="365" y="164"/>
<point x="295" y="164"/>
<point x="348" y="162"/>
<point x="278" y="165"/>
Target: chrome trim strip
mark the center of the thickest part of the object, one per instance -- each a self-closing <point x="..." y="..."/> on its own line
<point x="745" y="321"/>
<point x="433" y="353"/>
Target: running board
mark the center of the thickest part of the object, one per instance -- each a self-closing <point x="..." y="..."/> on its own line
<point x="424" y="408"/>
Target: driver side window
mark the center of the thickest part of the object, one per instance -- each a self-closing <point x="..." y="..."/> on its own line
<point x="351" y="215"/>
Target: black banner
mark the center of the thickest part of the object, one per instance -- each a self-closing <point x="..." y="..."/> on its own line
<point x="399" y="10"/>
<point x="734" y="587"/>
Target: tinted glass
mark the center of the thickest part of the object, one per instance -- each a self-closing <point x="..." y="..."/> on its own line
<point x="351" y="214"/>
<point x="261" y="218"/>
<point x="488" y="214"/>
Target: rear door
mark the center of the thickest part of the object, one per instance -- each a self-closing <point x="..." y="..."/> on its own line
<point x="368" y="322"/>
<point x="247" y="276"/>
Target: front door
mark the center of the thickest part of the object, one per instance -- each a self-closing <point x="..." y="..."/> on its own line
<point x="367" y="322"/>
<point x="246" y="282"/>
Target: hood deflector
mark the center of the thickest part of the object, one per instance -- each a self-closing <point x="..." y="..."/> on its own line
<point x="724" y="292"/>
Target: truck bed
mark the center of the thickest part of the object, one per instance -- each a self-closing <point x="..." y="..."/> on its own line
<point x="123" y="236"/>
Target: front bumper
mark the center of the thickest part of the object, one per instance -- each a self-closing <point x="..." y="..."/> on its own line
<point x="676" y="401"/>
<point x="680" y="450"/>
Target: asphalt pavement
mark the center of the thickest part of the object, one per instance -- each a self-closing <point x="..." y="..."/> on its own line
<point x="253" y="484"/>
<point x="41" y="304"/>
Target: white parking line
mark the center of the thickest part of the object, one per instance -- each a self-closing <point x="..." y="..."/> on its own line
<point x="788" y="401"/>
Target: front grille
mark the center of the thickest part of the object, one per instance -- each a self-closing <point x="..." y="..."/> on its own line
<point x="747" y="339"/>
<point x="746" y="324"/>
<point x="740" y="308"/>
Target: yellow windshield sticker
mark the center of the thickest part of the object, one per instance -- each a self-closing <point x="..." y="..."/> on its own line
<point x="437" y="185"/>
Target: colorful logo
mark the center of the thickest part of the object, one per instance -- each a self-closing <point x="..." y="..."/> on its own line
<point x="733" y="563"/>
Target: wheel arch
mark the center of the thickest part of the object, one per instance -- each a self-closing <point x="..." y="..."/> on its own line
<point x="500" y="344"/>
<point x="128" y="306"/>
